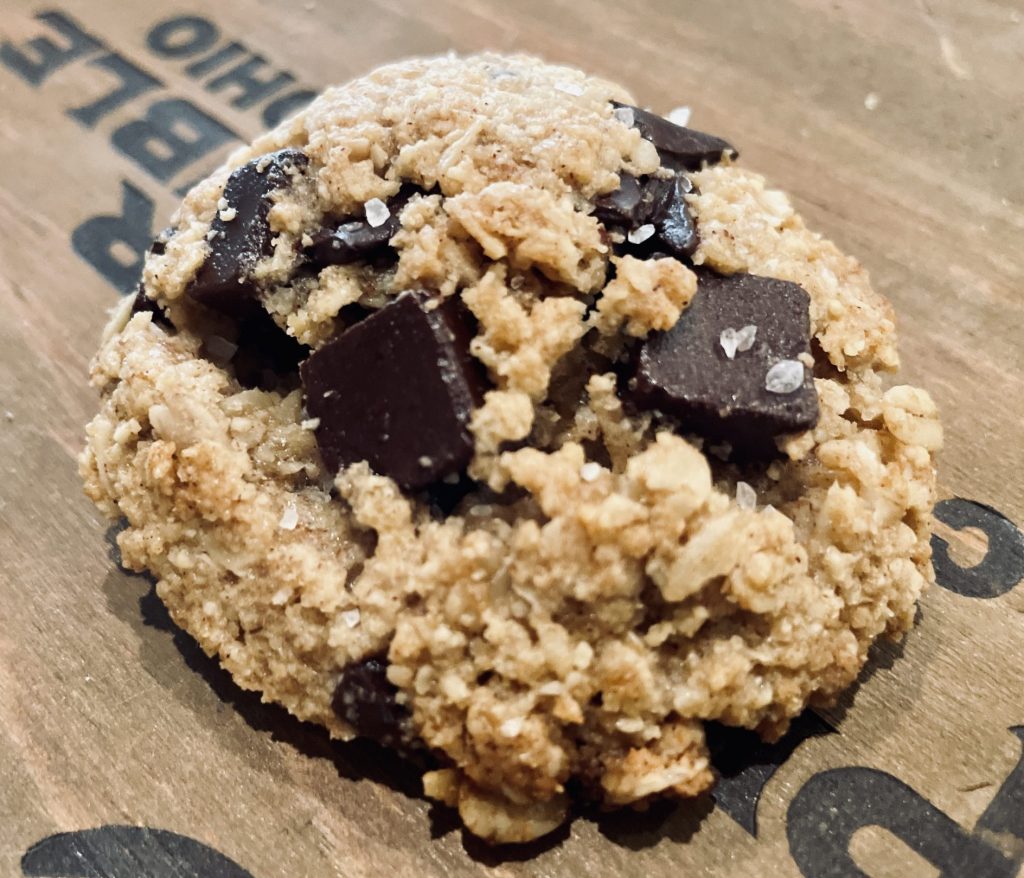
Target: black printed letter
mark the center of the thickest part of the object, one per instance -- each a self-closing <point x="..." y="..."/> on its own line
<point x="40" y="57"/>
<point x="94" y="240"/>
<point x="132" y="82"/>
<point x="173" y="134"/>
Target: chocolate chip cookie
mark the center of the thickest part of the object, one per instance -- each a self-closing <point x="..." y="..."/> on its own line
<point x="482" y="412"/>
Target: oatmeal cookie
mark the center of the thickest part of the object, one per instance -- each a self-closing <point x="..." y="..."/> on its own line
<point x="480" y="411"/>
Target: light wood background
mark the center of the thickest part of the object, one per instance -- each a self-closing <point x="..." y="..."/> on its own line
<point x="110" y="716"/>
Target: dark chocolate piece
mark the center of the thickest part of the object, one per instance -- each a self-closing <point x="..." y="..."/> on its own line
<point x="366" y="699"/>
<point x="676" y="228"/>
<point x="658" y="201"/>
<point x="680" y="148"/>
<point x="623" y="206"/>
<point x="685" y="372"/>
<point x="159" y="245"/>
<point x="144" y="303"/>
<point x="266" y="353"/>
<point x="236" y="245"/>
<point x="354" y="238"/>
<point x="397" y="390"/>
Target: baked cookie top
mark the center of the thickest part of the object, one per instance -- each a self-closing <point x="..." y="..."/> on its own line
<point x="480" y="411"/>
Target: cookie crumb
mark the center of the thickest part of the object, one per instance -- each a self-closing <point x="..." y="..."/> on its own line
<point x="512" y="727"/>
<point x="377" y="212"/>
<point x="228" y="214"/>
<point x="786" y="376"/>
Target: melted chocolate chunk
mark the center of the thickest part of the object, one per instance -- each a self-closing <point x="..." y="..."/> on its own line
<point x="680" y="148"/>
<point x="657" y="201"/>
<point x="354" y="238"/>
<point x="397" y="390"/>
<point x="686" y="372"/>
<point x="366" y="700"/>
<point x="223" y="281"/>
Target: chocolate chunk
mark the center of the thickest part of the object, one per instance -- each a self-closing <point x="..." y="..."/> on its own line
<point x="144" y="303"/>
<point x="366" y="699"/>
<point x="354" y="238"/>
<point x="623" y="206"/>
<point x="687" y="371"/>
<point x="159" y="245"/>
<point x="397" y="390"/>
<point x="680" y="148"/>
<point x="224" y="281"/>
<point x="657" y="201"/>
<point x="676" y="229"/>
<point x="266" y="353"/>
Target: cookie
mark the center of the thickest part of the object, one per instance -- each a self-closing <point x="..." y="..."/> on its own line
<point x="479" y="411"/>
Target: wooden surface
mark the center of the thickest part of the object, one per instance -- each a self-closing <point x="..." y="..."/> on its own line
<point x="898" y="127"/>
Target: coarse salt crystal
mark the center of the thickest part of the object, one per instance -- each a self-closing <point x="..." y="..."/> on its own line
<point x="289" y="518"/>
<point x="222" y="203"/>
<point x="730" y="344"/>
<point x="512" y="727"/>
<point x="552" y="687"/>
<point x="351" y="617"/>
<point x="590" y="471"/>
<point x="733" y="340"/>
<point x="786" y="376"/>
<point x="570" y="88"/>
<point x="680" y="116"/>
<point x="746" y="496"/>
<point x="310" y="424"/>
<point x="377" y="212"/>
<point x="871" y="101"/>
<point x="625" y="115"/>
<point x="425" y="461"/>
<point x="640" y="234"/>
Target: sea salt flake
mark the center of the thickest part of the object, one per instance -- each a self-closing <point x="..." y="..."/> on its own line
<point x="590" y="471"/>
<point x="745" y="338"/>
<point x="786" y="376"/>
<point x="512" y="727"/>
<point x="289" y="518"/>
<point x="729" y="342"/>
<point x="680" y="116"/>
<point x="377" y="212"/>
<point x="625" y="115"/>
<point x="640" y="234"/>
<point x="746" y="496"/>
<point x="351" y="617"/>
<point x="570" y="88"/>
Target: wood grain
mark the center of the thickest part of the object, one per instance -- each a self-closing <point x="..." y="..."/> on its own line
<point x="109" y="716"/>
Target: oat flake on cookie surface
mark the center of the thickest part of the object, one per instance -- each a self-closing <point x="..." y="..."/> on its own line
<point x="424" y="422"/>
